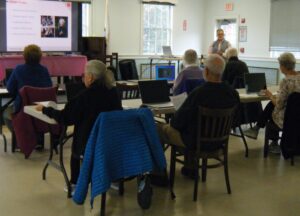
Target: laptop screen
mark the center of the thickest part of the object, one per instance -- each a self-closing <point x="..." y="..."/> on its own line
<point x="165" y="72"/>
<point x="154" y="91"/>
<point x="167" y="51"/>
<point x="254" y="82"/>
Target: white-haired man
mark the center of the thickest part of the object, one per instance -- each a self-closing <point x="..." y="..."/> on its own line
<point x="212" y="94"/>
<point x="191" y="71"/>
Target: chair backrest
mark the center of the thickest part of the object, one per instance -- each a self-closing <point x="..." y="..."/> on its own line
<point x="128" y="69"/>
<point x="238" y="82"/>
<point x="30" y="95"/>
<point x="26" y="127"/>
<point x="290" y="141"/>
<point x="191" y="84"/>
<point x="73" y="89"/>
<point x="214" y="126"/>
<point x="128" y="91"/>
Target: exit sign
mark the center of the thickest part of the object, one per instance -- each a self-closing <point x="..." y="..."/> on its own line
<point x="229" y="7"/>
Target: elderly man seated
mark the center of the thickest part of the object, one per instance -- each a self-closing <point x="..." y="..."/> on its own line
<point x="212" y="94"/>
<point x="191" y="71"/>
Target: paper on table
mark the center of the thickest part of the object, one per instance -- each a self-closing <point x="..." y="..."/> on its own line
<point x="48" y="104"/>
<point x="178" y="100"/>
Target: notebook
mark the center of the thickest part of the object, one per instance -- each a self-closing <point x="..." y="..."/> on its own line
<point x="155" y="93"/>
<point x="255" y="82"/>
<point x="165" y="72"/>
<point x="167" y="52"/>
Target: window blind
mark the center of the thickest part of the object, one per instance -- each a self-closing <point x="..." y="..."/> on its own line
<point x="285" y="26"/>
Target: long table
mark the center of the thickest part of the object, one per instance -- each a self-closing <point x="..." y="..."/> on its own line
<point x="244" y="98"/>
<point x="30" y="110"/>
<point x="57" y="65"/>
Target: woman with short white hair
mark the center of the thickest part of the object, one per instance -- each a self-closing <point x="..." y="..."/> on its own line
<point x="81" y="111"/>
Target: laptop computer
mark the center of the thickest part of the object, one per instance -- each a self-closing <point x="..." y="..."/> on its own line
<point x="155" y="93"/>
<point x="167" y="52"/>
<point x="255" y="82"/>
<point x="165" y="72"/>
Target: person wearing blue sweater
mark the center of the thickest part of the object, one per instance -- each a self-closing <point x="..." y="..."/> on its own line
<point x="32" y="73"/>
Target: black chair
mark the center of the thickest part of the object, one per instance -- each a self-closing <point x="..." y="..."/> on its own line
<point x="128" y="69"/>
<point x="8" y="72"/>
<point x="290" y="139"/>
<point x="191" y="84"/>
<point x="128" y="91"/>
<point x="213" y="129"/>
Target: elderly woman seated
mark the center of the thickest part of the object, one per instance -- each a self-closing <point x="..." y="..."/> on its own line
<point x="82" y="110"/>
<point x="274" y="111"/>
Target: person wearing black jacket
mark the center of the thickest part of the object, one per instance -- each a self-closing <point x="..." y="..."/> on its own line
<point x="99" y="96"/>
<point x="212" y="94"/>
<point x="234" y="67"/>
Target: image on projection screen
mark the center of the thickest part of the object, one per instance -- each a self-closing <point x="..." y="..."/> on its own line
<point x="45" y="23"/>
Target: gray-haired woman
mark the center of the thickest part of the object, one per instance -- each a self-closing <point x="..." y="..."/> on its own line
<point x="99" y="96"/>
<point x="274" y="111"/>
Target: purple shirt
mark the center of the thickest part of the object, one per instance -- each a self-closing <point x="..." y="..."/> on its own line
<point x="192" y="72"/>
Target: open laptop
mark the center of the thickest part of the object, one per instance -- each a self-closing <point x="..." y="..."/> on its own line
<point x="167" y="52"/>
<point x="165" y="72"/>
<point x="155" y="93"/>
<point x="255" y="82"/>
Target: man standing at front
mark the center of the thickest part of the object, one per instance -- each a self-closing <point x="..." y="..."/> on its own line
<point x="212" y="94"/>
<point x="220" y="45"/>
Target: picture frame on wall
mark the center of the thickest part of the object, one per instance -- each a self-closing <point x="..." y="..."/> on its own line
<point x="243" y="34"/>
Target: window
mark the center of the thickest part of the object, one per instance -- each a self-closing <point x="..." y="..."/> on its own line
<point x="157" y="21"/>
<point x="284" y="28"/>
<point x="86" y="17"/>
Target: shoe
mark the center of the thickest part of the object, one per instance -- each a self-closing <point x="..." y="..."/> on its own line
<point x="274" y="148"/>
<point x="252" y="132"/>
<point x="39" y="148"/>
<point x="115" y="186"/>
<point x="144" y="196"/>
<point x="73" y="187"/>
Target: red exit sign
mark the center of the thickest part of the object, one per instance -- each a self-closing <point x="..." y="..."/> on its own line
<point x="229" y="6"/>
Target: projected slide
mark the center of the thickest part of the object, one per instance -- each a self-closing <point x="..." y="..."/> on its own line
<point x="45" y="23"/>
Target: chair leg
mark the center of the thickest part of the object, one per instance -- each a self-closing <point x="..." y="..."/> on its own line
<point x="172" y="170"/>
<point x="226" y="174"/>
<point x="13" y="142"/>
<point x="244" y="141"/>
<point x="266" y="145"/>
<point x="204" y="169"/>
<point x="292" y="160"/>
<point x="196" y="179"/>
<point x="121" y="187"/>
<point x="5" y="143"/>
<point x="103" y="200"/>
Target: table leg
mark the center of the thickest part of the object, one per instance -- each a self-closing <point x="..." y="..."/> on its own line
<point x="151" y="61"/>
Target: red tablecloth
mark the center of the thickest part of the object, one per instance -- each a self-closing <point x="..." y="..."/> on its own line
<point x="57" y="65"/>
